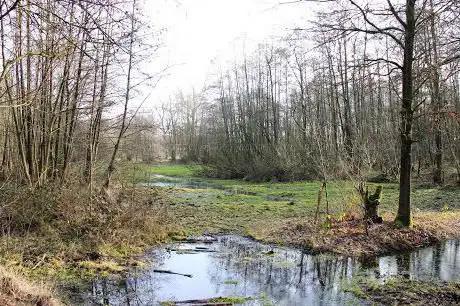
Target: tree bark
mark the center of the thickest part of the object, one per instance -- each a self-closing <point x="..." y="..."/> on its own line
<point x="407" y="115"/>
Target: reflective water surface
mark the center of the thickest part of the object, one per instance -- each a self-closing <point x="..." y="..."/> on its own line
<point x="158" y="180"/>
<point x="269" y="275"/>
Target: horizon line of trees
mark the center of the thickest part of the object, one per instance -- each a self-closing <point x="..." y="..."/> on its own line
<point x="286" y="112"/>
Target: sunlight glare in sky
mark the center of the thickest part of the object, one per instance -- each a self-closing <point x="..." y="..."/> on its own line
<point x="202" y="35"/>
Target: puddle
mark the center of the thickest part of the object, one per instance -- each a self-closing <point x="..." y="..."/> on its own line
<point x="236" y="266"/>
<point x="159" y="180"/>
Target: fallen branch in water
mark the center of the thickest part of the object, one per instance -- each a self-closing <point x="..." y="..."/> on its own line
<point x="171" y="272"/>
<point x="216" y="301"/>
<point x="208" y="239"/>
<point x="195" y="250"/>
<point x="203" y="302"/>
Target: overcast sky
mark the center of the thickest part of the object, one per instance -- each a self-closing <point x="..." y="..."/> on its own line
<point x="203" y="35"/>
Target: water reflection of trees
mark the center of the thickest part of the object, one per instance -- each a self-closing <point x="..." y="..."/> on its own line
<point x="123" y="291"/>
<point x="287" y="276"/>
<point x="439" y="262"/>
<point x="290" y="277"/>
<point x="137" y="288"/>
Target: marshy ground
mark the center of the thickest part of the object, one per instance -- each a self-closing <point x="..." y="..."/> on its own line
<point x="74" y="240"/>
<point x="284" y="213"/>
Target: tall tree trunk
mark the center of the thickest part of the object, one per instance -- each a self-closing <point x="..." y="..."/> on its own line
<point x="407" y="115"/>
<point x="123" y="127"/>
<point x="436" y="101"/>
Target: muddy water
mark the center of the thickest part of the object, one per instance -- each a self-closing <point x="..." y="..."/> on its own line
<point x="268" y="275"/>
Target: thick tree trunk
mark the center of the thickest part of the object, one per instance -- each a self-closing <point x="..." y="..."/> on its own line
<point x="407" y="114"/>
<point x="4" y="168"/>
<point x="348" y="127"/>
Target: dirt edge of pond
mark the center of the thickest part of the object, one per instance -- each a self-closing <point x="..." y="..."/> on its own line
<point x="349" y="238"/>
<point x="401" y="291"/>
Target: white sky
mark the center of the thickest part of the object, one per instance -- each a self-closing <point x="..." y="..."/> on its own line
<point x="203" y="35"/>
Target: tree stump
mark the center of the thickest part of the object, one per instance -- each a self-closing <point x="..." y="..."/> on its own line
<point x="371" y="205"/>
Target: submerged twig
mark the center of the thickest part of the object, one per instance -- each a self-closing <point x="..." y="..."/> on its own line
<point x="171" y="272"/>
<point x="195" y="250"/>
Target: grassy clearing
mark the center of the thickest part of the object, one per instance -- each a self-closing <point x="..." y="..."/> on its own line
<point x="141" y="172"/>
<point x="401" y="291"/>
<point x="283" y="213"/>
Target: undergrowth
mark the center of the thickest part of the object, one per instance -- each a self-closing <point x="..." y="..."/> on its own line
<point x="65" y="233"/>
<point x="15" y="290"/>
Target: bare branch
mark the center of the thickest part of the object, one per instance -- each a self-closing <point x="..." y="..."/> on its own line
<point x="10" y="9"/>
<point x="395" y="14"/>
<point x="384" y="31"/>
<point x="381" y="59"/>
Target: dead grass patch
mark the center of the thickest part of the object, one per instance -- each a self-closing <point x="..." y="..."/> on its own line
<point x="50" y="231"/>
<point x="350" y="238"/>
<point x="15" y="290"/>
<point x="410" y="292"/>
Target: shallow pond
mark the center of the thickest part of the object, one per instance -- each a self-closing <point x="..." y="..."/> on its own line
<point x="268" y="275"/>
<point x="158" y="180"/>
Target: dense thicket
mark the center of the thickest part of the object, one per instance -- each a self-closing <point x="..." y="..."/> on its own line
<point x="329" y="103"/>
<point x="64" y="71"/>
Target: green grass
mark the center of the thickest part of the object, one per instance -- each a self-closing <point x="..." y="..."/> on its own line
<point x="143" y="173"/>
<point x="216" y="210"/>
<point x="224" y="300"/>
<point x="230" y="300"/>
<point x="237" y="205"/>
<point x="355" y="289"/>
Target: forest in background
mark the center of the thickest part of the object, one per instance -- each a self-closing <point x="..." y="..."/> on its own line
<point x="368" y="89"/>
<point x="326" y="102"/>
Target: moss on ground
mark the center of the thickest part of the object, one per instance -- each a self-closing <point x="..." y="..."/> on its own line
<point x="234" y="300"/>
<point x="140" y="172"/>
<point x="222" y="300"/>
